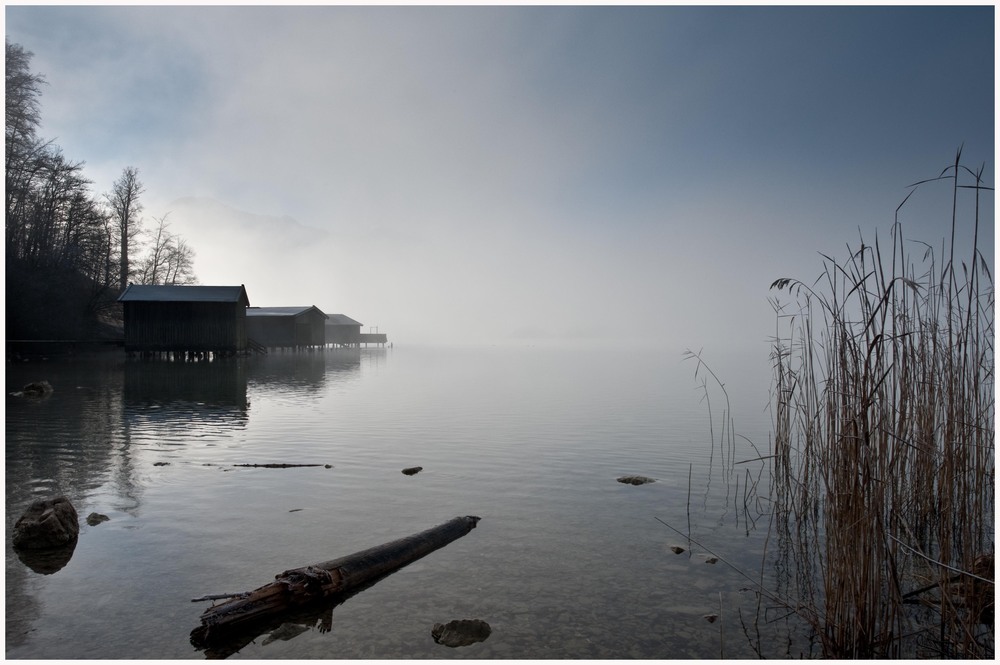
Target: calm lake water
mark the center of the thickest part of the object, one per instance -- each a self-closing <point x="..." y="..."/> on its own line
<point x="566" y="562"/>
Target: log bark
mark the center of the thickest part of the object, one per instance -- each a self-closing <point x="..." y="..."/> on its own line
<point x="299" y="587"/>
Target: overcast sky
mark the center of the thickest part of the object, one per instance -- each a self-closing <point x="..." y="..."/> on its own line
<point x="519" y="174"/>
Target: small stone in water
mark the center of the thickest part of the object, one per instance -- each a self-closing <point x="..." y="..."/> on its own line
<point x="93" y="519"/>
<point x="635" y="480"/>
<point x="413" y="470"/>
<point x="711" y="559"/>
<point x="677" y="550"/>
<point x="711" y="617"/>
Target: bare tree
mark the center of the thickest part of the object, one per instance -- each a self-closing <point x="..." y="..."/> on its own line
<point x="152" y="266"/>
<point x="125" y="209"/>
<point x="168" y="259"/>
<point x="23" y="88"/>
<point x="180" y="263"/>
<point x="25" y="152"/>
<point x="69" y="253"/>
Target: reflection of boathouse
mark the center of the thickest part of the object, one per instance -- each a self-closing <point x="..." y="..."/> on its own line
<point x="198" y="391"/>
<point x="302" y="375"/>
<point x="286" y="327"/>
<point x="198" y="319"/>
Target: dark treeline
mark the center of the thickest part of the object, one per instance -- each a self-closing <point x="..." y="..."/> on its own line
<point x="69" y="253"/>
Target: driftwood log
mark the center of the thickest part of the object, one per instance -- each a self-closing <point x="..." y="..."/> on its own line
<point x="297" y="588"/>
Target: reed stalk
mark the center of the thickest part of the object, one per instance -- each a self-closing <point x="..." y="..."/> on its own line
<point x="883" y="454"/>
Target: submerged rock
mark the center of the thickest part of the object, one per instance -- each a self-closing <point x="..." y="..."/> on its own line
<point x="93" y="519"/>
<point x="461" y="632"/>
<point x="413" y="470"/>
<point x="45" y="524"/>
<point x="636" y="480"/>
<point x="34" y="389"/>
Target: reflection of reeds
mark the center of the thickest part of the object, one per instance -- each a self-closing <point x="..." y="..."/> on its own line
<point x="884" y="445"/>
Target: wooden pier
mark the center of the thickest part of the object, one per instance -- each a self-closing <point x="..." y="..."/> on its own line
<point x="373" y="338"/>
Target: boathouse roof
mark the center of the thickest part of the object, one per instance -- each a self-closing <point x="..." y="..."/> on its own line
<point x="341" y="320"/>
<point x="171" y="293"/>
<point x="283" y="311"/>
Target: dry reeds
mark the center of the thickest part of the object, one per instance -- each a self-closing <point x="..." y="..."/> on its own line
<point x="884" y="445"/>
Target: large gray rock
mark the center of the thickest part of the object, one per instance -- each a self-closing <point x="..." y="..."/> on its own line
<point x="47" y="523"/>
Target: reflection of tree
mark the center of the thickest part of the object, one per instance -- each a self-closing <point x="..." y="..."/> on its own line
<point x="87" y="439"/>
<point x="86" y="436"/>
<point x="64" y="444"/>
<point x="22" y="607"/>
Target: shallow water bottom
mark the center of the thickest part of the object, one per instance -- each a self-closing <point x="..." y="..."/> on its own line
<point x="566" y="562"/>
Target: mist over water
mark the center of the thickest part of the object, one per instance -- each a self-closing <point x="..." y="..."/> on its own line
<point x="566" y="562"/>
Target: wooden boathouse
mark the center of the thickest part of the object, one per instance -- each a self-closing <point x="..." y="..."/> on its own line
<point x="287" y="327"/>
<point x="342" y="330"/>
<point x="185" y="319"/>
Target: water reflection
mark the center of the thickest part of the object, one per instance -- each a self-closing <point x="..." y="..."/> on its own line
<point x="219" y="386"/>
<point x="534" y="439"/>
<point x="47" y="561"/>
<point x="64" y="444"/>
<point x="283" y="627"/>
<point x="304" y="374"/>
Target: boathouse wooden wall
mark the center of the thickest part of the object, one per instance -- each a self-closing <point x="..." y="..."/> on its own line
<point x="286" y="327"/>
<point x="342" y="331"/>
<point x="160" y="319"/>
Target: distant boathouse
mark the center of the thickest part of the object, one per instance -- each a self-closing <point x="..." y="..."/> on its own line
<point x="342" y="330"/>
<point x="287" y="327"/>
<point x="193" y="321"/>
<point x="185" y="319"/>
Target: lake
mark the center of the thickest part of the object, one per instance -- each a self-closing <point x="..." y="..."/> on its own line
<point x="565" y="563"/>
